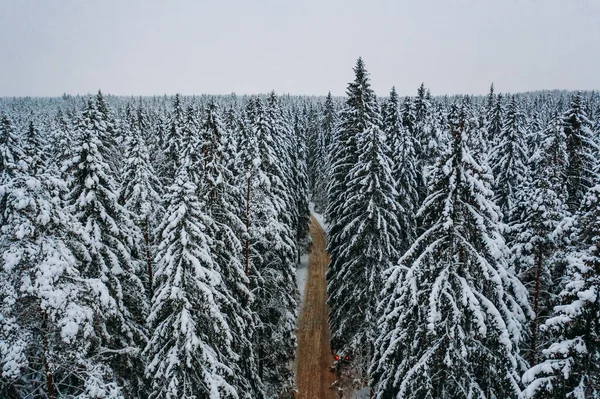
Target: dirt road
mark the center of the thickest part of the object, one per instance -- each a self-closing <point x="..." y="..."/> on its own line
<point x="314" y="357"/>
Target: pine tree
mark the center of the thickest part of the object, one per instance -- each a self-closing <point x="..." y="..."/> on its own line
<point x="495" y="120"/>
<point x="329" y="120"/>
<point x="509" y="159"/>
<point x="141" y="195"/>
<point x="535" y="228"/>
<point x="62" y="139"/>
<point x="222" y="198"/>
<point x="582" y="152"/>
<point x="172" y="144"/>
<point x="369" y="232"/>
<point x="404" y="170"/>
<point x="424" y="130"/>
<point x="299" y="186"/>
<point x="271" y="252"/>
<point x="490" y="102"/>
<point x="313" y="128"/>
<point x="452" y="309"/>
<point x="110" y="253"/>
<point x="108" y="135"/>
<point x="373" y="236"/>
<point x="189" y="349"/>
<point x="33" y="149"/>
<point x="47" y="307"/>
<point x="356" y="116"/>
<point x="570" y="368"/>
<point x="10" y="155"/>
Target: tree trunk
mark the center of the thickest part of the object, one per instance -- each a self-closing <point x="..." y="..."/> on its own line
<point x="247" y="254"/>
<point x="148" y="257"/>
<point x="536" y="305"/>
<point x="49" y="374"/>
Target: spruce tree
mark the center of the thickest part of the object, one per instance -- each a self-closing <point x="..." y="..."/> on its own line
<point x="582" y="151"/>
<point x="189" y="350"/>
<point x="509" y="159"/>
<point x="404" y="169"/>
<point x="49" y="336"/>
<point x="141" y="196"/>
<point x="110" y="254"/>
<point x="356" y="116"/>
<point x="453" y="311"/>
<point x="172" y="143"/>
<point x="369" y="232"/>
<point x="495" y="120"/>
<point x="271" y="252"/>
<point x="223" y="198"/>
<point x="10" y="155"/>
<point x="535" y="228"/>
<point x="570" y="368"/>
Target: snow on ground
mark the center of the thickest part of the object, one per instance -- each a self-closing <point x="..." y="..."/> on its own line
<point x="318" y="217"/>
<point x="364" y="393"/>
<point x="301" y="279"/>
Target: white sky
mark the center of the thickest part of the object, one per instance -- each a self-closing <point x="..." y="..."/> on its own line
<point x="49" y="47"/>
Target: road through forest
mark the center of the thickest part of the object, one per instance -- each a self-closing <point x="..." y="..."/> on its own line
<point x="313" y="377"/>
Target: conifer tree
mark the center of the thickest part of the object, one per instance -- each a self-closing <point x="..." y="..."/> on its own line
<point x="33" y="149"/>
<point x="570" y="368"/>
<point x="62" y="139"/>
<point x="49" y="335"/>
<point x="537" y="218"/>
<point x="424" y="129"/>
<point x="509" y="159"/>
<point x="356" y="116"/>
<point x="329" y="120"/>
<point x="452" y="309"/>
<point x="110" y="254"/>
<point x="582" y="151"/>
<point x="495" y="120"/>
<point x="190" y="347"/>
<point x="141" y="195"/>
<point x="404" y="170"/>
<point x="299" y="185"/>
<point x="222" y="198"/>
<point x="271" y="253"/>
<point x="10" y="154"/>
<point x="172" y="143"/>
<point x="369" y="231"/>
<point x="108" y="134"/>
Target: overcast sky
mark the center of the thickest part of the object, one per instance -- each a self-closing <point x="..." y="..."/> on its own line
<point x="50" y="47"/>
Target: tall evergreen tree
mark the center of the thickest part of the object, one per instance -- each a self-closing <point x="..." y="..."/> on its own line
<point x="172" y="143"/>
<point x="495" y="120"/>
<point x="141" y="195"/>
<point x="47" y="307"/>
<point x="404" y="169"/>
<point x="509" y="159"/>
<point x="271" y="250"/>
<point x="369" y="231"/>
<point x="582" y="151"/>
<point x="222" y="197"/>
<point x="535" y="228"/>
<point x="571" y="365"/>
<point x="355" y="117"/>
<point x="189" y="351"/>
<point x="452" y="309"/>
<point x="110" y="254"/>
<point x="10" y="154"/>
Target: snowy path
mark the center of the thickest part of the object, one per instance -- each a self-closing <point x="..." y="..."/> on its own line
<point x="313" y="377"/>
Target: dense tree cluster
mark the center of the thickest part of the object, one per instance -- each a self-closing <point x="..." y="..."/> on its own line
<point x="482" y="278"/>
<point x="149" y="246"/>
<point x="134" y="262"/>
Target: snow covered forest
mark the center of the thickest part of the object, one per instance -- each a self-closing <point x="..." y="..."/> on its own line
<point x="150" y="245"/>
